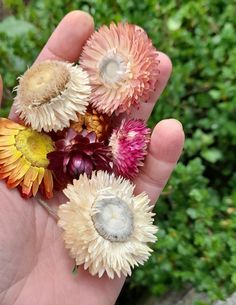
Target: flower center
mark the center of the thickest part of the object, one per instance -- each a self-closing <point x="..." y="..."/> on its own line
<point x="43" y="82"/>
<point x="112" y="219"/>
<point x="113" y="68"/>
<point x="34" y="146"/>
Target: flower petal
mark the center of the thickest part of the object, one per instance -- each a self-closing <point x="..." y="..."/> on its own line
<point x="20" y="171"/>
<point x="10" y="124"/>
<point x="11" y="159"/>
<point x="8" y="132"/>
<point x="9" y="151"/>
<point x="30" y="176"/>
<point x="7" y="140"/>
<point x="48" y="184"/>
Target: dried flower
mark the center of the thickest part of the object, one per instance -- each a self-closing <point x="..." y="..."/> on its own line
<point x="77" y="154"/>
<point x="106" y="227"/>
<point x="51" y="93"/>
<point x="78" y="126"/>
<point x="23" y="159"/>
<point x="129" y="145"/>
<point x="122" y="65"/>
<point x="93" y="121"/>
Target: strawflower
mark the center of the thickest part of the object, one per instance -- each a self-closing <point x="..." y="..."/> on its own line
<point x="23" y="159"/>
<point x="129" y="144"/>
<point x="123" y="67"/>
<point x="51" y="93"/>
<point x="93" y="121"/>
<point x="76" y="154"/>
<point x="106" y="227"/>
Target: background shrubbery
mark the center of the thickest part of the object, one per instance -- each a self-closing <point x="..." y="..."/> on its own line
<point x="197" y="211"/>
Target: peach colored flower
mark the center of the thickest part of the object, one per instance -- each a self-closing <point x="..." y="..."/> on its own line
<point x="122" y="64"/>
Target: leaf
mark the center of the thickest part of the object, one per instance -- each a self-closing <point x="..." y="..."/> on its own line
<point x="174" y="23"/>
<point x="233" y="278"/>
<point x="192" y="213"/>
<point x="13" y="27"/>
<point x="212" y="155"/>
<point x="215" y="94"/>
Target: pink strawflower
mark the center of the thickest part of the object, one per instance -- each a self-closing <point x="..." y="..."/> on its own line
<point x="129" y="145"/>
<point x="122" y="64"/>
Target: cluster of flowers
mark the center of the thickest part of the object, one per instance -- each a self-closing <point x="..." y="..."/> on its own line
<point x="73" y="134"/>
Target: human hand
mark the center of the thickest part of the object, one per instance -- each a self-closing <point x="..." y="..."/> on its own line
<point x="35" y="268"/>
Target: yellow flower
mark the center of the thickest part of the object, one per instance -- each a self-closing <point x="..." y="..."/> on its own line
<point x="23" y="159"/>
<point x="106" y="227"/>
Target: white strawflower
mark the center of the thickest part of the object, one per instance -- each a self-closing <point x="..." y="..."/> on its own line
<point x="51" y="93"/>
<point x="106" y="227"/>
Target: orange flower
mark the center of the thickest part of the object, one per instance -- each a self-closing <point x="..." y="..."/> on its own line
<point x="23" y="159"/>
<point x="93" y="121"/>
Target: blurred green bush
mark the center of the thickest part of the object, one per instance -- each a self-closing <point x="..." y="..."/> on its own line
<point x="197" y="212"/>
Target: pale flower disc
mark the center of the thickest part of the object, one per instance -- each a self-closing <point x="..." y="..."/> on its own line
<point x="51" y="93"/>
<point x="106" y="227"/>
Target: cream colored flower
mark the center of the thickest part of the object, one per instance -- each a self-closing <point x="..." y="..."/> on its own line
<point x="51" y="93"/>
<point x="106" y="227"/>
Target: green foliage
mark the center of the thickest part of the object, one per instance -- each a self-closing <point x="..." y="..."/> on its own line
<point x="196" y="238"/>
<point x="13" y="27"/>
<point x="196" y="214"/>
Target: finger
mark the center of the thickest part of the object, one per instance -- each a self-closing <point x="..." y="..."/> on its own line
<point x="145" y="109"/>
<point x="96" y="291"/>
<point x="66" y="42"/>
<point x="164" y="151"/>
<point x="1" y="90"/>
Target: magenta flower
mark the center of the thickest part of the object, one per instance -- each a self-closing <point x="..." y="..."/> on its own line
<point x="129" y="145"/>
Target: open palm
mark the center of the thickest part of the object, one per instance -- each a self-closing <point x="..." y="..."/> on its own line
<point x="34" y="266"/>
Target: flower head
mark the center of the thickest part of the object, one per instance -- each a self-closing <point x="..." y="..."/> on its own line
<point x="122" y="65"/>
<point x="23" y="159"/>
<point x="93" y="121"/>
<point x="106" y="227"/>
<point x="51" y="93"/>
<point x="77" y="154"/>
<point x="129" y="147"/>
